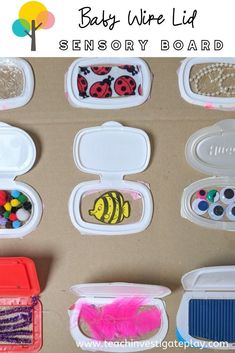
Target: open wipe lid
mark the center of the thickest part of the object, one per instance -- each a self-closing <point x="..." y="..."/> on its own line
<point x="208" y="101"/>
<point x="18" y="277"/>
<point x="120" y="289"/>
<point x="111" y="150"/>
<point x="17" y="151"/>
<point x="212" y="150"/>
<point x="219" y="278"/>
<point x="108" y="83"/>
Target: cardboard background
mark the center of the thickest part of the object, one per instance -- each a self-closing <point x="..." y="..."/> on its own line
<point x="170" y="247"/>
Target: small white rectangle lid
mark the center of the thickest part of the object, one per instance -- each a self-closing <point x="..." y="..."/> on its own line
<point x="111" y="150"/>
<point x="119" y="289"/>
<point x="17" y="151"/>
<point x="218" y="278"/>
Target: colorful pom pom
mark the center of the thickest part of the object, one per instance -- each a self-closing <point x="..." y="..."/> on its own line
<point x="15" y="194"/>
<point x="12" y="217"/>
<point x="15" y="202"/>
<point x="16" y="224"/>
<point x="22" y="198"/>
<point x="7" y="206"/>
<point x="22" y="214"/>
<point x="6" y="214"/>
<point x="27" y="206"/>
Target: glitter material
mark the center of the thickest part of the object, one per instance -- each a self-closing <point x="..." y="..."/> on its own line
<point x="11" y="81"/>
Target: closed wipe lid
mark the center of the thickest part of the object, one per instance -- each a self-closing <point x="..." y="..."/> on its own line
<point x="111" y="149"/>
<point x="18" y="277"/>
<point x="212" y="150"/>
<point x="17" y="151"/>
<point x="219" y="278"/>
<point x="107" y="290"/>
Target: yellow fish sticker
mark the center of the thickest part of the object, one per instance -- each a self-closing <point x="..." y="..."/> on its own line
<point x="110" y="208"/>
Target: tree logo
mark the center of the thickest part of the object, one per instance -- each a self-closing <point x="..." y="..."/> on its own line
<point x="33" y="16"/>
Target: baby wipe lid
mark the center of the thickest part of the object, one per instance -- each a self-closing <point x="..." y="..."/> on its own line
<point x="219" y="278"/>
<point x="212" y="150"/>
<point x="18" y="277"/>
<point x="105" y="290"/>
<point x="17" y="151"/>
<point x="111" y="150"/>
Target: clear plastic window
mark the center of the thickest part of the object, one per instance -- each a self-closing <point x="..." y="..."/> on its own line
<point x="109" y="81"/>
<point x="215" y="203"/>
<point x="15" y="209"/>
<point x="213" y="79"/>
<point x="11" y="81"/>
<point x="112" y="207"/>
<point x="123" y="318"/>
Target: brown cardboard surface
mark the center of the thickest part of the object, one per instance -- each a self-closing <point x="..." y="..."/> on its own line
<point x="170" y="247"/>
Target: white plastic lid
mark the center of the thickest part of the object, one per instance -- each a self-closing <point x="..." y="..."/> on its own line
<point x="111" y="150"/>
<point x="104" y="290"/>
<point x="220" y="278"/>
<point x="17" y="151"/>
<point x="212" y="150"/>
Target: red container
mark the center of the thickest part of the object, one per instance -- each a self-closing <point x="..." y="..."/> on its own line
<point x="19" y="286"/>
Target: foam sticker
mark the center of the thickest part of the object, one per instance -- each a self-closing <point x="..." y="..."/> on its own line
<point x="112" y="207"/>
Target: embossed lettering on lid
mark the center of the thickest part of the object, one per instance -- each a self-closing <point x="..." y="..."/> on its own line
<point x="212" y="150"/>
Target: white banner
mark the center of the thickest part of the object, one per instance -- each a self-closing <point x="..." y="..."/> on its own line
<point x="125" y="28"/>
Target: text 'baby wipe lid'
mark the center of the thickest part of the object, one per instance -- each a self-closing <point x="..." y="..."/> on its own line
<point x="212" y="150"/>
<point x="111" y="149"/>
<point x="17" y="151"/>
<point x="18" y="277"/>
<point x="219" y="278"/>
<point x="107" y="290"/>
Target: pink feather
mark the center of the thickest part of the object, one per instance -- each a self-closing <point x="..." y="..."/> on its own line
<point x="121" y="319"/>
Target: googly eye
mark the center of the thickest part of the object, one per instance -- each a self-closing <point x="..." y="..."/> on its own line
<point x="230" y="212"/>
<point x="200" y="206"/>
<point x="227" y="195"/>
<point x="216" y="211"/>
<point x="213" y="196"/>
<point x="201" y="194"/>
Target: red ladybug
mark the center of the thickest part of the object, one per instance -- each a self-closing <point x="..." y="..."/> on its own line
<point x="102" y="89"/>
<point x="82" y="86"/>
<point x="140" y="90"/>
<point x="101" y="70"/>
<point x="125" y="86"/>
<point x="130" y="68"/>
<point x="84" y="70"/>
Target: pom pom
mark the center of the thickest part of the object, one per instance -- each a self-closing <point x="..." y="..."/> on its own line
<point x="15" y="202"/>
<point x="16" y="224"/>
<point x="124" y="318"/>
<point x="15" y="194"/>
<point x="12" y="217"/>
<point x="7" y="206"/>
<point x="22" y="215"/>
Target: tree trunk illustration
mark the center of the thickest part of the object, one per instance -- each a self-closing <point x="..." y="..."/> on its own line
<point x="33" y="36"/>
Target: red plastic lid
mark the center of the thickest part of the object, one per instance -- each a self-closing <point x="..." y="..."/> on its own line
<point x="18" y="277"/>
